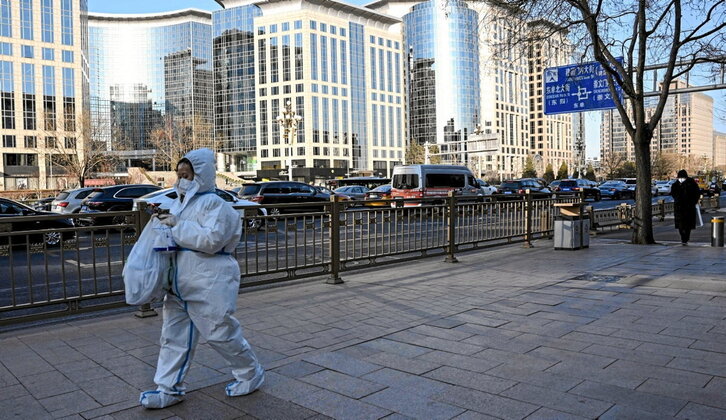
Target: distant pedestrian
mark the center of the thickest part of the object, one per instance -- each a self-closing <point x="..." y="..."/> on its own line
<point x="685" y="193"/>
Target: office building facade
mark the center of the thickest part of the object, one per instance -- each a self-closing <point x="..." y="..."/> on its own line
<point x="43" y="82"/>
<point x="341" y="69"/>
<point x="151" y="76"/>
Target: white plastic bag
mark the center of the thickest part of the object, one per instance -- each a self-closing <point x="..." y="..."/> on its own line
<point x="147" y="273"/>
<point x="699" y="219"/>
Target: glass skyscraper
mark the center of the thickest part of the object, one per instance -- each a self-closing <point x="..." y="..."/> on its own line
<point x="444" y="86"/>
<point x="151" y="72"/>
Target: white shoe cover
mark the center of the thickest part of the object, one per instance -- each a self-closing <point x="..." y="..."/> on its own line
<point x="159" y="399"/>
<point x="239" y="388"/>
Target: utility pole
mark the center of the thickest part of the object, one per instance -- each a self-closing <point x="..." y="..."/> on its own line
<point x="289" y="122"/>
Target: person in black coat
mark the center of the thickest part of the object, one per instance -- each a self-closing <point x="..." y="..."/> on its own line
<point x="685" y="193"/>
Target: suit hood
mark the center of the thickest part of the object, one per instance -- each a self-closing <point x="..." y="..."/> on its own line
<point x="204" y="169"/>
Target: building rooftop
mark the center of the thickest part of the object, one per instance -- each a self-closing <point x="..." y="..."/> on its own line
<point x="145" y="17"/>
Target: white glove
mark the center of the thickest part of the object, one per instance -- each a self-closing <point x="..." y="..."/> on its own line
<point x="167" y="219"/>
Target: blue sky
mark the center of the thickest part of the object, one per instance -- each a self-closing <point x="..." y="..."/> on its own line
<point x="153" y="6"/>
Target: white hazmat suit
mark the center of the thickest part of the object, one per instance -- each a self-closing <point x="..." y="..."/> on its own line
<point x="204" y="290"/>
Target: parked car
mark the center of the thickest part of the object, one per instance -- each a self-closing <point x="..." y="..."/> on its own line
<point x="517" y="188"/>
<point x="713" y="189"/>
<point x="113" y="198"/>
<point x="382" y="192"/>
<point x="554" y="184"/>
<point x="286" y="192"/>
<point x="485" y="188"/>
<point x="575" y="186"/>
<point x="69" y="201"/>
<point x="44" y="204"/>
<point x="664" y="187"/>
<point x="355" y="192"/>
<point x="616" y="190"/>
<point x="164" y="199"/>
<point x="433" y="181"/>
<point x="10" y="208"/>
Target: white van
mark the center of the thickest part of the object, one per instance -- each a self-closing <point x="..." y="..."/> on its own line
<point x="427" y="181"/>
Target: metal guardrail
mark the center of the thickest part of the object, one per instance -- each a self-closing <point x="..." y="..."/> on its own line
<point x="623" y="214"/>
<point x="82" y="272"/>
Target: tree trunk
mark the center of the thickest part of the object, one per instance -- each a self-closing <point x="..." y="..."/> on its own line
<point x="643" y="217"/>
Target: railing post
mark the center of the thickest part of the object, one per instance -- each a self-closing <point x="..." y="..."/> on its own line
<point x="334" y="236"/>
<point x="528" y="220"/>
<point x="142" y="218"/>
<point x="661" y="208"/>
<point x="451" y="233"/>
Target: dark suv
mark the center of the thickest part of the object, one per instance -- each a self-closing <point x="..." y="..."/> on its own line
<point x="576" y="186"/>
<point x="517" y="188"/>
<point x="114" y="198"/>
<point x="285" y="192"/>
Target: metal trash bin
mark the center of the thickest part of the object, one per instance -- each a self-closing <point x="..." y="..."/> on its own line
<point x="572" y="228"/>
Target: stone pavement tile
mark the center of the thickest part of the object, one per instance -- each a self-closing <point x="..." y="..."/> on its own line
<point x="482" y="402"/>
<point x="358" y="351"/>
<point x="113" y="408"/>
<point x="636" y="355"/>
<point x="534" y="377"/>
<point x="343" y="384"/>
<point x="706" y="367"/>
<point x="541" y="298"/>
<point x="563" y="343"/>
<point x="286" y="388"/>
<point x="108" y="390"/>
<point x="13" y="392"/>
<point x="672" y="390"/>
<point x="630" y="398"/>
<point x="473" y="415"/>
<point x="473" y="364"/>
<point x="478" y="317"/>
<point x="405" y="381"/>
<point x="434" y="343"/>
<point x="719" y="358"/>
<point x="394" y="361"/>
<point x="612" y="341"/>
<point x="491" y="332"/>
<point x="29" y="364"/>
<point x="545" y="413"/>
<point x="262" y="405"/>
<point x="67" y="404"/>
<point x="446" y="334"/>
<point x="48" y="384"/>
<point x="627" y="368"/>
<point x="549" y="353"/>
<point x="594" y="329"/>
<point x="340" y="407"/>
<point x="717" y="384"/>
<point x="708" y="345"/>
<point x="100" y="351"/>
<point x="473" y="380"/>
<point x="297" y="369"/>
<point x="342" y="363"/>
<point x="200" y="406"/>
<point x="22" y="408"/>
<point x="620" y="412"/>
<point x="584" y="370"/>
<point x="516" y="344"/>
<point x="660" y="338"/>
<point x="523" y="360"/>
<point x="72" y="417"/>
<point x="556" y="400"/>
<point x="413" y="405"/>
<point x="7" y="378"/>
<point x="444" y="323"/>
<point x="701" y="412"/>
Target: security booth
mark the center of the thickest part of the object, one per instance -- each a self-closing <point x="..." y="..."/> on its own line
<point x="572" y="227"/>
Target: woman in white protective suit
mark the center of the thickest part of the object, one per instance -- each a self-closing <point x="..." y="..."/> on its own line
<point x="204" y="288"/>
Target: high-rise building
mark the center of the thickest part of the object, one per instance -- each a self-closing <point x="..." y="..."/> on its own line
<point x="685" y="130"/>
<point x="340" y="67"/>
<point x="151" y="72"/>
<point x="43" y="81"/>
<point x="719" y="151"/>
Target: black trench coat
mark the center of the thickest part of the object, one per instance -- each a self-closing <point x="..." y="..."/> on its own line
<point x="686" y="197"/>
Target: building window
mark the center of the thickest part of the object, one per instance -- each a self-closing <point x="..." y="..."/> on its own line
<point x="264" y="153"/>
<point x="5" y="19"/>
<point x="264" y="123"/>
<point x="274" y="61"/>
<point x="6" y="48"/>
<point x="326" y="120"/>
<point x="298" y="57"/>
<point x="70" y="142"/>
<point x="286" y="58"/>
<point x="26" y="19"/>
<point x="285" y="26"/>
<point x="343" y="63"/>
<point x="323" y="27"/>
<point x="7" y="101"/>
<point x="313" y="24"/>
<point x="316" y="116"/>
<point x="313" y="56"/>
<point x="67" y="56"/>
<point x="48" y="54"/>
<point x="29" y="111"/>
<point x="297" y="24"/>
<point x="67" y="22"/>
<point x="8" y="140"/>
<point x="49" y="108"/>
<point x="46" y="20"/>
<point x="273" y="29"/>
<point x="300" y="110"/>
<point x="333" y="59"/>
<point x="262" y="60"/>
<point x="374" y="117"/>
<point x="69" y="100"/>
<point x="26" y="51"/>
<point x="31" y="142"/>
<point x="373" y="67"/>
<point x="323" y="57"/>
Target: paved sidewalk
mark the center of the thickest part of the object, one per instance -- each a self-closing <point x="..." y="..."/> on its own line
<point x="615" y="331"/>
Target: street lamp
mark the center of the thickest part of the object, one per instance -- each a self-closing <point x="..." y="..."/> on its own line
<point x="289" y="122"/>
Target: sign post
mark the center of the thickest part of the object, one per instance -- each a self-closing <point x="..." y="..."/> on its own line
<point x="577" y="88"/>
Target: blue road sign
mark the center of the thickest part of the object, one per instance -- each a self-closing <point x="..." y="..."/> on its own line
<point x="577" y="88"/>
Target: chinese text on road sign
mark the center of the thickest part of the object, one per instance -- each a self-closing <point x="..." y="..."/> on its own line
<point x="577" y="88"/>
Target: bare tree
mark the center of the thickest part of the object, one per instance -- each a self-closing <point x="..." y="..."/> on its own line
<point x="664" y="165"/>
<point x="678" y="34"/>
<point x="611" y="163"/>
<point x="175" y="136"/>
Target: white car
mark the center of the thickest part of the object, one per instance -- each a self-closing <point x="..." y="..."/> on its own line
<point x="664" y="187"/>
<point x="69" y="201"/>
<point x="485" y="188"/>
<point x="164" y="198"/>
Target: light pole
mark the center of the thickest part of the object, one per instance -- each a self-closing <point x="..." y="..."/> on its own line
<point x="289" y="121"/>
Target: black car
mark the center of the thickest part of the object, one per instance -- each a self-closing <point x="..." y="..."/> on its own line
<point x="576" y="186"/>
<point x="285" y="192"/>
<point x="517" y="188"/>
<point x="44" y="204"/>
<point x="114" y="198"/>
<point x="10" y="208"/>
